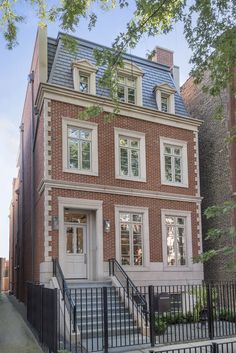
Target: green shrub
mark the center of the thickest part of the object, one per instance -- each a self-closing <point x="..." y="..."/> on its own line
<point x="160" y="325"/>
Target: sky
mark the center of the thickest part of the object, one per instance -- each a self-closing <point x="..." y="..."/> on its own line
<point x="14" y="70"/>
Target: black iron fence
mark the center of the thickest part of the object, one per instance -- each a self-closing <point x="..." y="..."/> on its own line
<point x="42" y="314"/>
<point x="102" y="318"/>
<point x="225" y="347"/>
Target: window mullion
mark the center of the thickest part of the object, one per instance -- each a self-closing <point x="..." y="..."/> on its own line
<point x="131" y="243"/>
<point x="80" y="154"/>
<point x="129" y="161"/>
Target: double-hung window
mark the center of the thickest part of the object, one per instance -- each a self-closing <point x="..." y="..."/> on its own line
<point x="130" y="161"/>
<point x="127" y="89"/>
<point x="174" y="164"/>
<point x="131" y="238"/>
<point x="80" y="150"/>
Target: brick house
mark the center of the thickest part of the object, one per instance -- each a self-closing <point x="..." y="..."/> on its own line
<point x="89" y="191"/>
<point x="217" y="165"/>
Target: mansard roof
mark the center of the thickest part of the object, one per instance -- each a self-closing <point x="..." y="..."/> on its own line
<point x="153" y="74"/>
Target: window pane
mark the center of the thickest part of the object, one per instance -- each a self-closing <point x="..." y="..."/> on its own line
<point x="131" y="95"/>
<point x="83" y="86"/>
<point x="138" y="255"/>
<point x="181" y="246"/>
<point x="164" y="104"/>
<point x="69" y="240"/>
<point x="86" y="155"/>
<point x="85" y="134"/>
<point x="135" y="163"/>
<point x="177" y="151"/>
<point x="170" y="220"/>
<point x="73" y="215"/>
<point x="73" y="154"/>
<point x="121" y="93"/>
<point x="79" y="241"/>
<point x="124" y="217"/>
<point x="123" y="142"/>
<point x="134" y="143"/>
<point x="123" y="161"/>
<point x="121" y="79"/>
<point x="137" y="218"/>
<point x="178" y="170"/>
<point x="130" y="82"/>
<point x="180" y="220"/>
<point x="171" y="256"/>
<point x="73" y="132"/>
<point x="167" y="149"/>
<point x="125" y="244"/>
<point x="168" y="171"/>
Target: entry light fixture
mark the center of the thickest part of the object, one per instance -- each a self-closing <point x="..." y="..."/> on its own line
<point x="106" y="225"/>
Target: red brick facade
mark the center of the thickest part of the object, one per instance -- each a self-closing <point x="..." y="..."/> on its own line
<point x="40" y="238"/>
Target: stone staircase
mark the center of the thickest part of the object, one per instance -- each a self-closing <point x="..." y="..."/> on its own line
<point x="123" y="330"/>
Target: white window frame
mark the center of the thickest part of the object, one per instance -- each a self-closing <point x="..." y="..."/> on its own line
<point x="146" y="245"/>
<point x="85" y="68"/>
<point x="184" y="146"/>
<point x="169" y="92"/>
<point x="132" y="134"/>
<point x="94" y="141"/>
<point x="131" y="70"/>
<point x="188" y="239"/>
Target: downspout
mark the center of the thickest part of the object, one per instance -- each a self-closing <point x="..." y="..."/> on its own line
<point x="32" y="199"/>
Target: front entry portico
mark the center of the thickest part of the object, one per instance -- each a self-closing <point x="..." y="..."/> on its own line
<point x="80" y="247"/>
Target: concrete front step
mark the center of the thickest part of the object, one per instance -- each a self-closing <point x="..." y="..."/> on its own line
<point x="112" y="331"/>
<point x="127" y="322"/>
<point x="123" y="315"/>
<point x="85" y="284"/>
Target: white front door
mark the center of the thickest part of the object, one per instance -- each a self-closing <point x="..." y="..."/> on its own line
<point x="75" y="251"/>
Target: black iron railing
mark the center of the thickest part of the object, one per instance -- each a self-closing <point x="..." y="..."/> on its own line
<point x="115" y="269"/>
<point x="42" y="314"/>
<point x="66" y="294"/>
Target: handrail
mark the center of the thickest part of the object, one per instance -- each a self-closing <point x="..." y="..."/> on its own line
<point x="132" y="291"/>
<point x="69" y="302"/>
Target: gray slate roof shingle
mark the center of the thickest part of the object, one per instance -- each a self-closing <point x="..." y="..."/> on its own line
<point x="60" y="71"/>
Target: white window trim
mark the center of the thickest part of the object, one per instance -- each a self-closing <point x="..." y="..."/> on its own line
<point x="146" y="246"/>
<point x="179" y="143"/>
<point x="188" y="239"/>
<point x="84" y="67"/>
<point x="169" y="92"/>
<point x="94" y="150"/>
<point x="138" y="135"/>
<point x="133" y="71"/>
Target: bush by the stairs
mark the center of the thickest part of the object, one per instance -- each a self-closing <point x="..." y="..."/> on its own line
<point x="162" y="322"/>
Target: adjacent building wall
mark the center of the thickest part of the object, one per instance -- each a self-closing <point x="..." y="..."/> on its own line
<point x="216" y="161"/>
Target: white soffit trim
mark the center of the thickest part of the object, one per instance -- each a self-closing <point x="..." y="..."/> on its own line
<point x="71" y="96"/>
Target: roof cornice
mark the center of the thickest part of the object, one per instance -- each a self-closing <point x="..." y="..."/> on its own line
<point x="71" y="96"/>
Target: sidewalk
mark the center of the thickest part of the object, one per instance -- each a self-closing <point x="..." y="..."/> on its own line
<point x="15" y="335"/>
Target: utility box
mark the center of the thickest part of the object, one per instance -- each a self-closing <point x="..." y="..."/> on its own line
<point x="162" y="303"/>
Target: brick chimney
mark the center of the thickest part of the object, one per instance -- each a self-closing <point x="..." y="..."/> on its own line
<point x="163" y="56"/>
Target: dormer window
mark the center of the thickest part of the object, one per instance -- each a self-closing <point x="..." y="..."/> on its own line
<point x="84" y="75"/>
<point x="129" y="80"/>
<point x="127" y="89"/>
<point x="165" y="98"/>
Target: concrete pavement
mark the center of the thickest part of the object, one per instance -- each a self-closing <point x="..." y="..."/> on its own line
<point x="15" y="335"/>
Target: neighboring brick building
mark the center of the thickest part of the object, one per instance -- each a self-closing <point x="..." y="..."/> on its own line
<point x="89" y="190"/>
<point x="4" y="275"/>
<point x="217" y="165"/>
